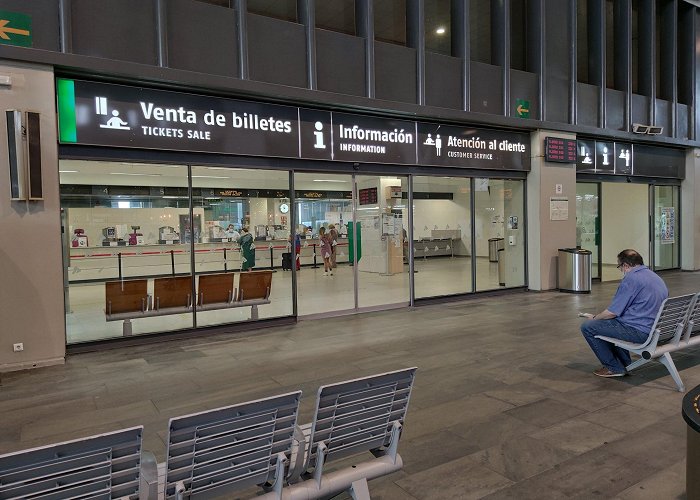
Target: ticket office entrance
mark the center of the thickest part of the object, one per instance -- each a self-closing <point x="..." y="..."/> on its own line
<point x="126" y="221"/>
<point x="628" y="213"/>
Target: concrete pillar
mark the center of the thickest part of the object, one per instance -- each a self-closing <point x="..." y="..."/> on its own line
<point x="690" y="212"/>
<point x="545" y="236"/>
<point x="31" y="268"/>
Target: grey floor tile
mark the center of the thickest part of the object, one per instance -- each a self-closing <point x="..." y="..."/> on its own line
<point x="545" y="412"/>
<point x="668" y="484"/>
<point x="577" y="436"/>
<point x="623" y="417"/>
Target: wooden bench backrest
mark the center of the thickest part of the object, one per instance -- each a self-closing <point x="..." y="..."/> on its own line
<point x="172" y="292"/>
<point x="673" y="312"/>
<point x="126" y="296"/>
<point x="215" y="288"/>
<point x="255" y="285"/>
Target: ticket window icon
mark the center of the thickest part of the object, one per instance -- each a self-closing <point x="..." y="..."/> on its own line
<point x="115" y="122"/>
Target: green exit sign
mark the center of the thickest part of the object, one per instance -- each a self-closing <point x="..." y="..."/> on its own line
<point x="522" y="108"/>
<point x="15" y="29"/>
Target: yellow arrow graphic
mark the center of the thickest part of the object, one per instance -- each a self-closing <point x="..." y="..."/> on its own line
<point x="4" y="30"/>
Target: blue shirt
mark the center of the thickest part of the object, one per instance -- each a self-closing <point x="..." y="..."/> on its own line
<point x="638" y="298"/>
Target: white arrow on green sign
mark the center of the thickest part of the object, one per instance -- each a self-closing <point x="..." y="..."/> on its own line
<point x="15" y="29"/>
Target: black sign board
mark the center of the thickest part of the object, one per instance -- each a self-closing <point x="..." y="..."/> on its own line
<point x="623" y="158"/>
<point x="586" y="156"/>
<point x="472" y="148"/>
<point x="374" y="140"/>
<point x="560" y="150"/>
<point x="605" y="157"/>
<point x="116" y="115"/>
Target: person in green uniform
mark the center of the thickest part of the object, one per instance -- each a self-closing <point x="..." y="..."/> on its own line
<point x="247" y="250"/>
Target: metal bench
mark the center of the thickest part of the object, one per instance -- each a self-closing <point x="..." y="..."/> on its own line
<point x="226" y="450"/>
<point x="671" y="332"/>
<point x="104" y="466"/>
<point x="362" y="416"/>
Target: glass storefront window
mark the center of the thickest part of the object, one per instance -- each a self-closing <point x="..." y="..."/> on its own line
<point x="382" y="276"/>
<point x="500" y="233"/>
<point x="324" y="204"/>
<point x="588" y="222"/>
<point x="232" y="203"/>
<point x="666" y="244"/>
<point x="123" y="226"/>
<point x="441" y="236"/>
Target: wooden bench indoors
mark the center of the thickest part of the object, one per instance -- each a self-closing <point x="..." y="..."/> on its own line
<point x="129" y="299"/>
<point x="672" y="331"/>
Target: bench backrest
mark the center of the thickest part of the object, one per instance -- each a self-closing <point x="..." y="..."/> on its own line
<point x="694" y="316"/>
<point x="126" y="296"/>
<point x="215" y="288"/>
<point x="254" y="285"/>
<point x="228" y="449"/>
<point x="672" y="315"/>
<point x="173" y="291"/>
<point x="103" y="466"/>
<point x="357" y="416"/>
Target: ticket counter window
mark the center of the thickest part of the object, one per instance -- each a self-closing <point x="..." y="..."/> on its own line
<point x="442" y="243"/>
<point x="125" y="228"/>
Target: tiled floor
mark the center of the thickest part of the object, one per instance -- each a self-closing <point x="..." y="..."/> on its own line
<point x="504" y="406"/>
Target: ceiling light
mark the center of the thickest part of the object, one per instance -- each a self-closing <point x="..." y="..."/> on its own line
<point x="67" y="171"/>
<point x="209" y="177"/>
<point x="328" y="180"/>
<point x="441" y="30"/>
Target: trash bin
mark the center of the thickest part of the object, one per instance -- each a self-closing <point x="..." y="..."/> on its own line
<point x="574" y="270"/>
<point x="501" y="266"/>
<point x="691" y="415"/>
<point x="495" y="244"/>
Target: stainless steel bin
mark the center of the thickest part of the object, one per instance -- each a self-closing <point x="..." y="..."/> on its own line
<point x="501" y="267"/>
<point x="495" y="244"/>
<point x="574" y="268"/>
<point x="691" y="415"/>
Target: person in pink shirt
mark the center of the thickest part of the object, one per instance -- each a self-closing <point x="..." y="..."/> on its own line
<point x="326" y="251"/>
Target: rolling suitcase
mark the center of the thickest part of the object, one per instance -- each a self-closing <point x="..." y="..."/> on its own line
<point x="286" y="261"/>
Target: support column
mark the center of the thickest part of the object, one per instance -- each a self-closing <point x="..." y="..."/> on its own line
<point x="690" y="212"/>
<point x="546" y="237"/>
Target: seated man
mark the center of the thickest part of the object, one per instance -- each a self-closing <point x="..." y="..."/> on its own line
<point x="630" y="315"/>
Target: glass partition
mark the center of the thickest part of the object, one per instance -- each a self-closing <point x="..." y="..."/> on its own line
<point x="323" y="217"/>
<point x="441" y="236"/>
<point x="381" y="216"/>
<point x="666" y="244"/>
<point x="500" y="233"/>
<point x="125" y="225"/>
<point x="588" y="222"/>
<point x="242" y="222"/>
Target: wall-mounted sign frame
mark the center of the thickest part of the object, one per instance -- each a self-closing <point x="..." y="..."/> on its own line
<point x="102" y="114"/>
<point x="625" y="158"/>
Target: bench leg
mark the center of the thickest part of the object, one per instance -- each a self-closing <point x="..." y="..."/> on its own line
<point x="668" y="363"/>
<point x="254" y="312"/>
<point x="126" y="328"/>
<point x="359" y="490"/>
<point x="636" y="364"/>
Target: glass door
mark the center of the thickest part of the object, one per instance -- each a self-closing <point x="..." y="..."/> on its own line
<point x="378" y="232"/>
<point x="588" y="222"/>
<point x="666" y="243"/>
<point x="321" y="252"/>
<point x="442" y="239"/>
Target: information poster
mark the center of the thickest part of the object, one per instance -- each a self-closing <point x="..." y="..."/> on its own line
<point x="668" y="225"/>
<point x="559" y="208"/>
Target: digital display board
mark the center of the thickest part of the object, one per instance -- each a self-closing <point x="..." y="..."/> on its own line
<point x="367" y="196"/>
<point x="560" y="150"/>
